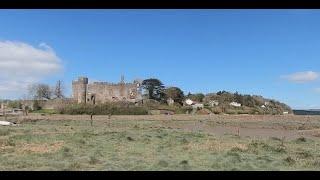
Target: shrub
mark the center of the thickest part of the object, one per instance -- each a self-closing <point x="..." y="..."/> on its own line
<point x="103" y="109"/>
<point x="36" y="105"/>
<point x="231" y="111"/>
<point x="14" y="104"/>
<point x="45" y="111"/>
<point x="216" y="110"/>
<point x="183" y="110"/>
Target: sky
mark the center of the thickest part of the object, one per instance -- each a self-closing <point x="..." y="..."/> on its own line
<point x="273" y="53"/>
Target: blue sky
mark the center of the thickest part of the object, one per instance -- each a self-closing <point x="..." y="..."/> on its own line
<point x="273" y="53"/>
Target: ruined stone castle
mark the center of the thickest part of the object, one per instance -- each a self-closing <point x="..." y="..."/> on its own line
<point x="100" y="92"/>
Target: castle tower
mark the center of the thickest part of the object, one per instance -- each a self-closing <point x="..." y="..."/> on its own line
<point x="79" y="89"/>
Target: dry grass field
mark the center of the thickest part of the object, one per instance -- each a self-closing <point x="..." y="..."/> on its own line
<point x="161" y="142"/>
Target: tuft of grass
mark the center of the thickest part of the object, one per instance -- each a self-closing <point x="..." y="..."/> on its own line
<point x="185" y="164"/>
<point x="304" y="154"/>
<point x="280" y="149"/>
<point x="237" y="149"/>
<point x="11" y="142"/>
<point x="265" y="158"/>
<point x="163" y="163"/>
<point x="66" y="149"/>
<point x="255" y="146"/>
<point x="93" y="160"/>
<point x="81" y="141"/>
<point x="66" y="152"/>
<point x="4" y="132"/>
<point x="74" y="166"/>
<point x="289" y="160"/>
<point x="234" y="156"/>
<point x="301" y="139"/>
<point x="184" y="141"/>
<point x="130" y="138"/>
<point x="275" y="138"/>
<point x="316" y="163"/>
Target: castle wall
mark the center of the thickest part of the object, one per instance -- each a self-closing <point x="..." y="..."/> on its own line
<point x="100" y="92"/>
<point x="113" y="92"/>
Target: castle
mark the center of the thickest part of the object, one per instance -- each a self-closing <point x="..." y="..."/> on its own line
<point x="100" y="92"/>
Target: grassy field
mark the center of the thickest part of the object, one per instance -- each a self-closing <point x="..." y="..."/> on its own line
<point x="54" y="142"/>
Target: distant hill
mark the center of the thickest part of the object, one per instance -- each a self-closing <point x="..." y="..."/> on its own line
<point x="306" y="112"/>
<point x="250" y="104"/>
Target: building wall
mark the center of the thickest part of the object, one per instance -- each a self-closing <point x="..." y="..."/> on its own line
<point x="47" y="104"/>
<point x="100" y="92"/>
<point x="79" y="89"/>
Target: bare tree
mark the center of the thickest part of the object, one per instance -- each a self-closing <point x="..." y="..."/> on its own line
<point x="58" y="91"/>
<point x="40" y="91"/>
<point x="32" y="93"/>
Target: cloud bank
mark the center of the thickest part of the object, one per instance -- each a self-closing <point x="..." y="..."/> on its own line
<point x="302" y="77"/>
<point x="22" y="64"/>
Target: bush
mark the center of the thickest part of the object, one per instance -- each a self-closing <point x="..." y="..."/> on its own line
<point x="14" y="104"/>
<point x="103" y="109"/>
<point x="231" y="111"/>
<point x="45" y="111"/>
<point x="36" y="105"/>
<point x="183" y="110"/>
<point x="216" y="110"/>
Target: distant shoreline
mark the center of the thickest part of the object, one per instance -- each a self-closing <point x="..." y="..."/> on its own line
<point x="306" y="111"/>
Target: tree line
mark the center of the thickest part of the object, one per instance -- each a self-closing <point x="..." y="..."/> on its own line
<point x="41" y="91"/>
<point x="156" y="90"/>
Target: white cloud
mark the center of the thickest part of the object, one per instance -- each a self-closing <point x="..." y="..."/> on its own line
<point x="22" y="64"/>
<point x="301" y="77"/>
<point x="317" y="90"/>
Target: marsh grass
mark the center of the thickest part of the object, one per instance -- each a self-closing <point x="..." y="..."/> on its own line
<point x="130" y="145"/>
<point x="4" y="132"/>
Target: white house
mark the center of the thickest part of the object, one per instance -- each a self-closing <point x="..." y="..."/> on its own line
<point x="235" y="104"/>
<point x="170" y="101"/>
<point x="194" y="104"/>
<point x="189" y="102"/>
